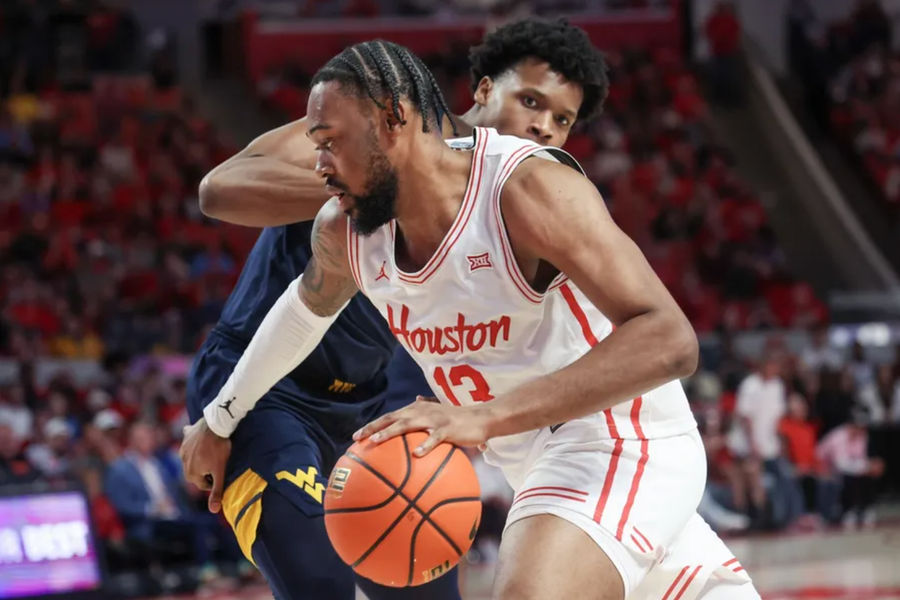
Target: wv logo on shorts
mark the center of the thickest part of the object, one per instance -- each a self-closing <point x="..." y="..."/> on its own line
<point x="306" y="481"/>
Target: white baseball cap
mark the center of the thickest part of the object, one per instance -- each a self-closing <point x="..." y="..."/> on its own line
<point x="107" y="419"/>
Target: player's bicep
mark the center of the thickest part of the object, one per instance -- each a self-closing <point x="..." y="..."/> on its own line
<point x="327" y="282"/>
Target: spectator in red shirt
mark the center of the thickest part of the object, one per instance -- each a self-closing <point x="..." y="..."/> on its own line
<point x="799" y="433"/>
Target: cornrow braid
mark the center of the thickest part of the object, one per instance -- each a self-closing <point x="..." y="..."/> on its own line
<point x="388" y="73"/>
<point x="378" y="69"/>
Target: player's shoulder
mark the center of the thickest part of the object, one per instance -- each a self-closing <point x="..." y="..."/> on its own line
<point x="331" y="223"/>
<point x="536" y="182"/>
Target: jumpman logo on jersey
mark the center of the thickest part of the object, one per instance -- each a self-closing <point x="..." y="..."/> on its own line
<point x="227" y="406"/>
<point x="382" y="274"/>
<point x="479" y="261"/>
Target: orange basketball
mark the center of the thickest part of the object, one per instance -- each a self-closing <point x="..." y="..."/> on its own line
<point x="400" y="520"/>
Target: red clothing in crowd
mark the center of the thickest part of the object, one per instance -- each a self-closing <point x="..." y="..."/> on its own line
<point x="800" y="438"/>
<point x="724" y="33"/>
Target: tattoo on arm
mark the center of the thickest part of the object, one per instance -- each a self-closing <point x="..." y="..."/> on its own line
<point x="327" y="282"/>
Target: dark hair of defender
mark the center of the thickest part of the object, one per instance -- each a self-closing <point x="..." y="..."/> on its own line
<point x="380" y="68"/>
<point x="566" y="48"/>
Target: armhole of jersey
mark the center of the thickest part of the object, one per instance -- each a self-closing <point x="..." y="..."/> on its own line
<point x="509" y="257"/>
<point x="564" y="158"/>
<point x="353" y="255"/>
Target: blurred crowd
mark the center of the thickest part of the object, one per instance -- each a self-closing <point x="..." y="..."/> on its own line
<point x="852" y="71"/>
<point x="445" y="8"/>
<point x="102" y="244"/>
<point x="117" y="439"/>
<point x="801" y="440"/>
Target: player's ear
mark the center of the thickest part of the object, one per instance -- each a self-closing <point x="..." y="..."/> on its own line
<point x="483" y="91"/>
<point x="396" y="120"/>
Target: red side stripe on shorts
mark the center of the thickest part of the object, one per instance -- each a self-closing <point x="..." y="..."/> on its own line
<point x="738" y="570"/>
<point x="637" y="543"/>
<point x="607" y="483"/>
<point x="639" y="472"/>
<point x="687" y="583"/>
<point x="728" y="562"/>
<point x="553" y="487"/>
<point x="579" y="314"/>
<point x="574" y="498"/>
<point x="674" y="583"/>
<point x="643" y="537"/>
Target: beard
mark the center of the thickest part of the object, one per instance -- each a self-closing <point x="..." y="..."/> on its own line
<point x="375" y="206"/>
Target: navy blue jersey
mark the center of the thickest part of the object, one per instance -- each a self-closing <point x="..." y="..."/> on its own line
<point x="342" y="375"/>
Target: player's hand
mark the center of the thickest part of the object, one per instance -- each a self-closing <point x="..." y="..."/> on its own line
<point x="203" y="456"/>
<point x="460" y="425"/>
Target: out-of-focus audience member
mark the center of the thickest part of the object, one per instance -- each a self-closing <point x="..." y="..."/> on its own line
<point x="799" y="435"/>
<point x="153" y="504"/>
<point x="845" y="454"/>
<point x="754" y="440"/>
<point x="14" y="466"/>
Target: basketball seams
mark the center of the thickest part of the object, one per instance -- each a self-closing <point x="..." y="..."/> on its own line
<point x="411" y="504"/>
<point x="398" y="490"/>
<point x="426" y="518"/>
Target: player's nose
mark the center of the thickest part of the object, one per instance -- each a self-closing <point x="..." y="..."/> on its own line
<point x="324" y="168"/>
<point x="540" y="129"/>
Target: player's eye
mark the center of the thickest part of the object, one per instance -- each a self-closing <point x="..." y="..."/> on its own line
<point x="563" y="121"/>
<point x="325" y="146"/>
<point x="529" y="102"/>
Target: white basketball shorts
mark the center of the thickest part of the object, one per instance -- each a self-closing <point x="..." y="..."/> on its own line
<point x="637" y="499"/>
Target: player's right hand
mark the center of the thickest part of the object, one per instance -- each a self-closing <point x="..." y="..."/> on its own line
<point x="203" y="457"/>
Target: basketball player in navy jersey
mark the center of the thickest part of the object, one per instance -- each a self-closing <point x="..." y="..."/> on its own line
<point x="533" y="79"/>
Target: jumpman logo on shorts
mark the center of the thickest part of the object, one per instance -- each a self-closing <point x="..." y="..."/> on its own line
<point x="382" y="274"/>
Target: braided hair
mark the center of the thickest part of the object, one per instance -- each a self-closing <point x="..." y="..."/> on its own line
<point x="380" y="69"/>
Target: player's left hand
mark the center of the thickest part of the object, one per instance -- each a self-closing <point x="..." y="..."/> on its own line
<point x="460" y="425"/>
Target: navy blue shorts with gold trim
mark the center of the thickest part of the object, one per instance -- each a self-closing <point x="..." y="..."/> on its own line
<point x="276" y="475"/>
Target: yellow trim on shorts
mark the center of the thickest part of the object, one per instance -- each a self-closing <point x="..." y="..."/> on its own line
<point x="243" y="496"/>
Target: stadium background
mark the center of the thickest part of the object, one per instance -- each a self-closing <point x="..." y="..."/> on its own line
<point x="752" y="149"/>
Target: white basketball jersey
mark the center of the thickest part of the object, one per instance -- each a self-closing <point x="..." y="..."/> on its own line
<point x="476" y="327"/>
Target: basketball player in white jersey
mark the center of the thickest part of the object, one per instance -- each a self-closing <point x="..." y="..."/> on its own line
<point x="540" y="325"/>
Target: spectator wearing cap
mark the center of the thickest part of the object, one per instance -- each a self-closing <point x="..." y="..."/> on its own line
<point x="51" y="457"/>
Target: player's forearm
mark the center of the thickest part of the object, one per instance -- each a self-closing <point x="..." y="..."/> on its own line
<point x="287" y="335"/>
<point x="260" y="191"/>
<point x="642" y="354"/>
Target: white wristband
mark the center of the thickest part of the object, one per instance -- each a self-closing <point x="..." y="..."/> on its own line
<point x="287" y="335"/>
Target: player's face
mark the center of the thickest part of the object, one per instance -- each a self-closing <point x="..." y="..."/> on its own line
<point x="531" y="101"/>
<point x="350" y="158"/>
